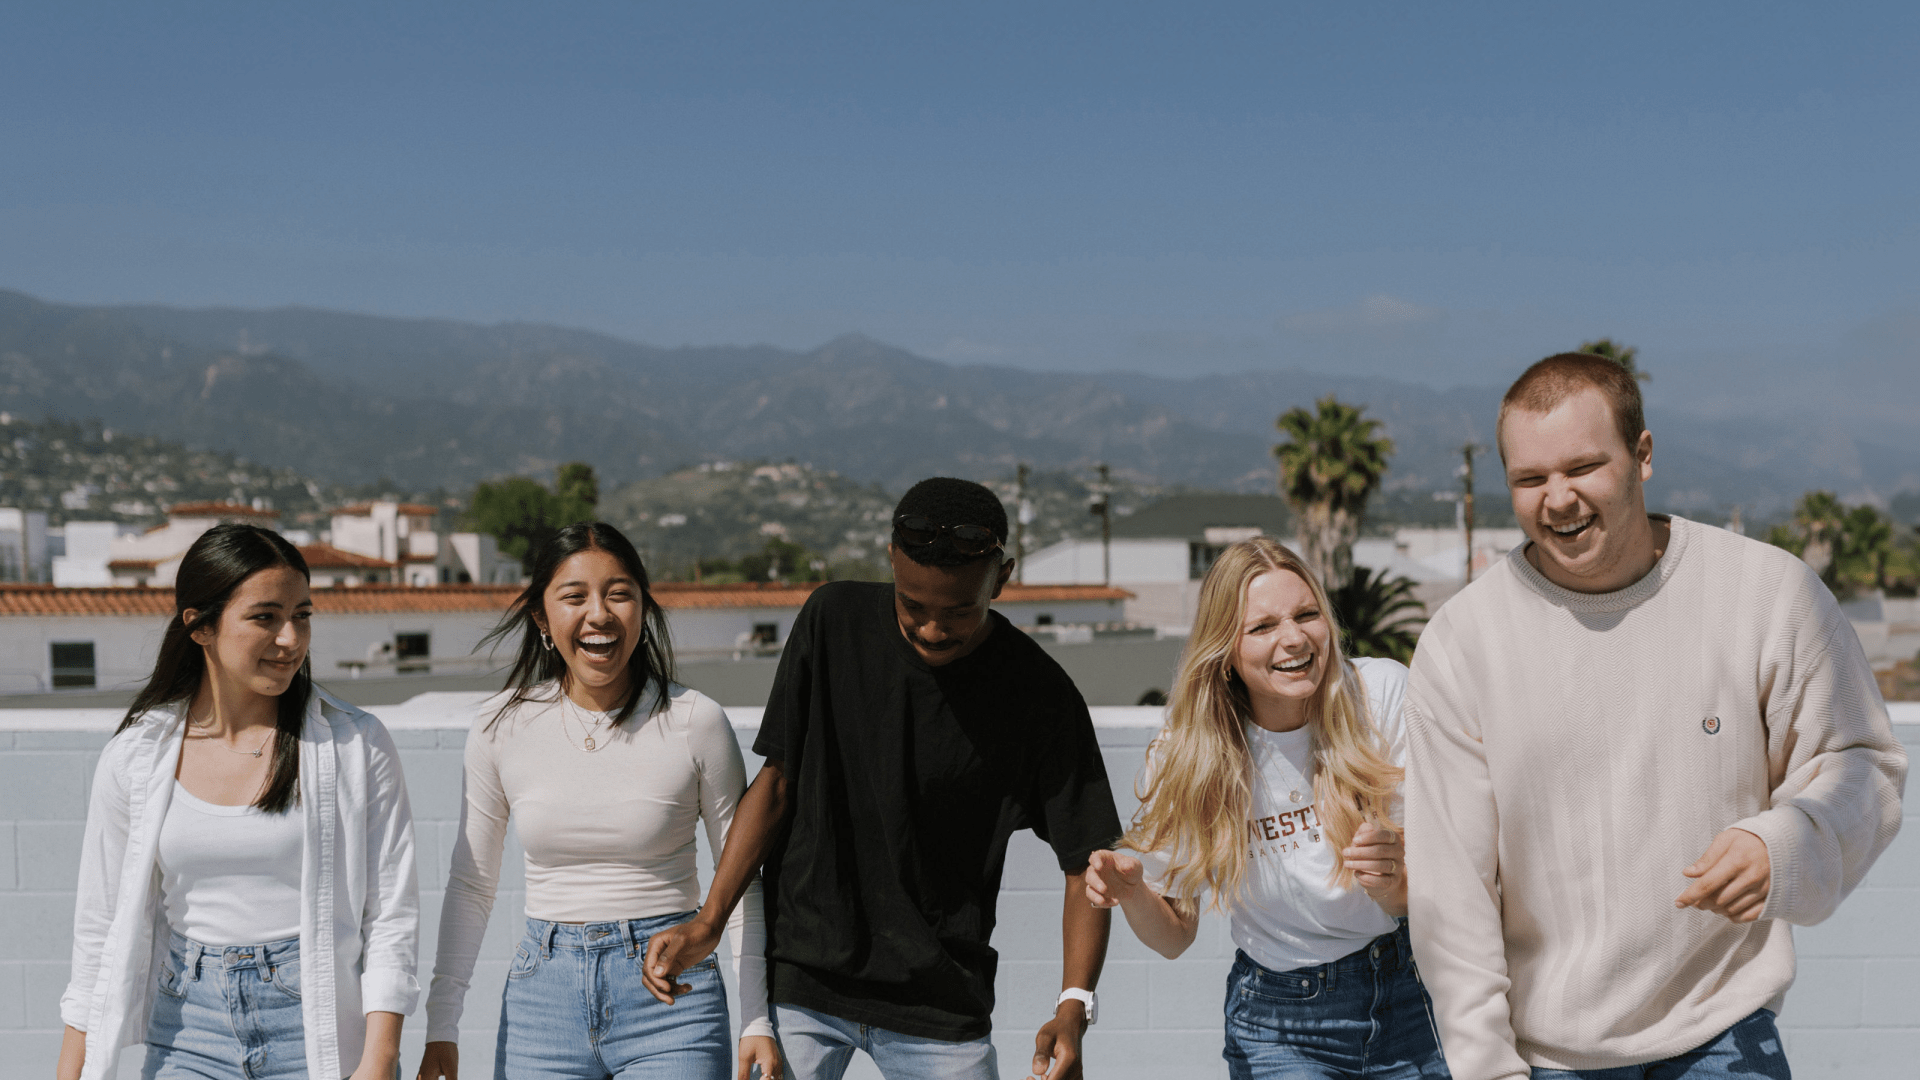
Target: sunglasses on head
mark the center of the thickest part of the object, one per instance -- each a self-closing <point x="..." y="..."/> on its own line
<point x="917" y="531"/>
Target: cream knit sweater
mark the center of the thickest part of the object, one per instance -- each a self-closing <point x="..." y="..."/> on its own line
<point x="1568" y="754"/>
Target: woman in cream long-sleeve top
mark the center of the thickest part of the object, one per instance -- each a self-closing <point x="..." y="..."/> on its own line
<point x="607" y="766"/>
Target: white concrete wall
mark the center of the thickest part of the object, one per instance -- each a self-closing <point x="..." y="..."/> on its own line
<point x="1854" y="1013"/>
<point x="1077" y="562"/>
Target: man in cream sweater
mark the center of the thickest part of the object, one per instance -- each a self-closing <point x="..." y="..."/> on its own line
<point x="1638" y="749"/>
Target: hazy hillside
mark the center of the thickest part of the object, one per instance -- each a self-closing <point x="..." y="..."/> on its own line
<point x="431" y="402"/>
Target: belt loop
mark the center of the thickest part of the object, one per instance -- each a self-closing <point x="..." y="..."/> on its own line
<point x="1330" y="974"/>
<point x="546" y="941"/>
<point x="196" y="951"/>
<point x="626" y="935"/>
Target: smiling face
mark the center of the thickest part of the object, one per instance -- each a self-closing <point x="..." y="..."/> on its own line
<point x="1577" y="492"/>
<point x="942" y="610"/>
<point x="261" y="637"/>
<point x="1283" y="649"/>
<point x="593" y="611"/>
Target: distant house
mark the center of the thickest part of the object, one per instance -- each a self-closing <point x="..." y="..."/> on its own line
<point x="152" y="558"/>
<point x="106" y="638"/>
<point x="404" y="535"/>
<point x="23" y="545"/>
<point x="1160" y="553"/>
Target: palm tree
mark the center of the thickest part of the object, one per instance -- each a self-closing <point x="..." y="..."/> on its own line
<point x="1378" y="617"/>
<point x="1331" y="462"/>
<point x="1619" y="354"/>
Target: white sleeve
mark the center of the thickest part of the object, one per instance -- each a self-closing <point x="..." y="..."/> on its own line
<point x="472" y="881"/>
<point x="390" y="923"/>
<point x="723" y="779"/>
<point x="103" y="850"/>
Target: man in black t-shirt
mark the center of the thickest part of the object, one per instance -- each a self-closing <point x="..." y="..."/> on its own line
<point x="910" y="732"/>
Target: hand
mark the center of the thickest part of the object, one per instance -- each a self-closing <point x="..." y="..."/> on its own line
<point x="759" y="1050"/>
<point x="672" y="951"/>
<point x="1059" y="1043"/>
<point x="1378" y="858"/>
<point x="1112" y="879"/>
<point x="441" y="1059"/>
<point x="1732" y="878"/>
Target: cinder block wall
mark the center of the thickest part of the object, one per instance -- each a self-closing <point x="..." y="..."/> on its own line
<point x="1854" y="1013"/>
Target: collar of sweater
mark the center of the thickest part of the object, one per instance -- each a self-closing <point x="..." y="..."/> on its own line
<point x="1621" y="599"/>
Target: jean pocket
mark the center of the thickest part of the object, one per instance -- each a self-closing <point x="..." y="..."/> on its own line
<point x="525" y="960"/>
<point x="172" y="979"/>
<point x="286" y="976"/>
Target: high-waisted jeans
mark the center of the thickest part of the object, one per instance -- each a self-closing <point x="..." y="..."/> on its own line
<point x="227" y="1012"/>
<point x="575" y="1009"/>
<point x="1363" y="1015"/>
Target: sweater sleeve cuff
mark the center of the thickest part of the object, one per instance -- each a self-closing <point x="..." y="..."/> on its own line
<point x="1788" y="833"/>
<point x="762" y="1026"/>
<point x="389" y="990"/>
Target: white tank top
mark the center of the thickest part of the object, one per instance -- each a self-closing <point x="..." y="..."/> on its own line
<point x="230" y="875"/>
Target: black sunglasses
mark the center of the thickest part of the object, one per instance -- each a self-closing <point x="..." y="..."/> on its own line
<point x="967" y="539"/>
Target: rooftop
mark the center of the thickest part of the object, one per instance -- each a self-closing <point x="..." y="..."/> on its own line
<point x="403" y="509"/>
<point x="219" y="509"/>
<point x="330" y="557"/>
<point x="41" y="600"/>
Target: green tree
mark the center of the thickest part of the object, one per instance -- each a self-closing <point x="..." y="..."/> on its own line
<point x="519" y="513"/>
<point x="1332" y="461"/>
<point x="577" y="492"/>
<point x="1378" y="616"/>
<point x="1850" y="547"/>
<point x="1619" y="354"/>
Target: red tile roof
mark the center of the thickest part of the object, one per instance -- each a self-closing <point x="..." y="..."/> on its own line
<point x="330" y="557"/>
<point x="218" y="509"/>
<point x="378" y="599"/>
<point x="133" y="564"/>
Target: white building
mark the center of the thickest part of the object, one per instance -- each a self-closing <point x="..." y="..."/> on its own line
<point x="23" y="545"/>
<point x="86" y="547"/>
<point x="106" y="638"/>
<point x="403" y="534"/>
<point x="153" y="558"/>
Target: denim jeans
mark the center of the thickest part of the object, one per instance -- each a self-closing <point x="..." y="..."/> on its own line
<point x="575" y="1008"/>
<point x="1749" y="1050"/>
<point x="1363" y="1015"/>
<point x="816" y="1046"/>
<point x="227" y="1012"/>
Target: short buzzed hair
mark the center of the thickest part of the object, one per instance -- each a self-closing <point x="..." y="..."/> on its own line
<point x="947" y="500"/>
<point x="1544" y="386"/>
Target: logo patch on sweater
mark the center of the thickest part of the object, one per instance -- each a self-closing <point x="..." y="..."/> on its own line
<point x="1711" y="725"/>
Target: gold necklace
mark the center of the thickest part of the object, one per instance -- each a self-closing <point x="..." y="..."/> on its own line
<point x="566" y="709"/>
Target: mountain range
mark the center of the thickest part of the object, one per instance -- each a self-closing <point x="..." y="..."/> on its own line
<point x="431" y="403"/>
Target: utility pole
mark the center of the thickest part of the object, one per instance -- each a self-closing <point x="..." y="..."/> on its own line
<point x="1466" y="502"/>
<point x="1102" y="504"/>
<point x="1022" y="513"/>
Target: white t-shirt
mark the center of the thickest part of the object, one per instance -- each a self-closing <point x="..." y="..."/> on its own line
<point x="1290" y="915"/>
<point x="230" y="875"/>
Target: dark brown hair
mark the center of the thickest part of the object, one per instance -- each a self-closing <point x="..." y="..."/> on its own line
<point x="535" y="664"/>
<point x="1542" y="387"/>
<point x="215" y="566"/>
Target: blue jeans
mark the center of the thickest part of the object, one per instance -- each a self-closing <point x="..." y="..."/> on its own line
<point x="1363" y="1015"/>
<point x="816" y="1046"/>
<point x="575" y="1008"/>
<point x="1749" y="1050"/>
<point x="227" y="1012"/>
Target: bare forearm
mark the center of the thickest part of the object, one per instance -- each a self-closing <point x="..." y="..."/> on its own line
<point x="756" y="820"/>
<point x="73" y="1054"/>
<point x="1158" y="926"/>
<point x="382" y="1052"/>
<point x="1083" y="936"/>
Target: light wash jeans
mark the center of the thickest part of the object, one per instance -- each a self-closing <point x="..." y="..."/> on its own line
<point x="1749" y="1050"/>
<point x="227" y="1012"/>
<point x="820" y="1047"/>
<point x="1363" y="1015"/>
<point x="576" y="1009"/>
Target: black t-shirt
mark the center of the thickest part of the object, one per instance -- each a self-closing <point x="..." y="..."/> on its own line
<point x="906" y="781"/>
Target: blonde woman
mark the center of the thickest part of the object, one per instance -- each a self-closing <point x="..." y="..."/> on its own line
<point x="1273" y="790"/>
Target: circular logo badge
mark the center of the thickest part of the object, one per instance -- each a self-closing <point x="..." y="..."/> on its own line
<point x="1711" y="725"/>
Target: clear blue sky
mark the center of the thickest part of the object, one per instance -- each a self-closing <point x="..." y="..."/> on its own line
<point x="1432" y="191"/>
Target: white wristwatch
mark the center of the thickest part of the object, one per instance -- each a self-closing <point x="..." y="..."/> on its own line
<point x="1085" y="997"/>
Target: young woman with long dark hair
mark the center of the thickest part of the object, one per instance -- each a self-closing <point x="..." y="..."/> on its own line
<point x="1275" y="789"/>
<point x="247" y="904"/>
<point x="608" y="765"/>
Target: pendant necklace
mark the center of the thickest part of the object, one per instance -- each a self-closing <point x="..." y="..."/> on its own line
<point x="222" y="743"/>
<point x="586" y="729"/>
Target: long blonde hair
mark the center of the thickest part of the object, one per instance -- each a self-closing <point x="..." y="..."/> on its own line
<point x="1198" y="793"/>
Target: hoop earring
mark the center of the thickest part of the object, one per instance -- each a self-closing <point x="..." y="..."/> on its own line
<point x="546" y="641"/>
